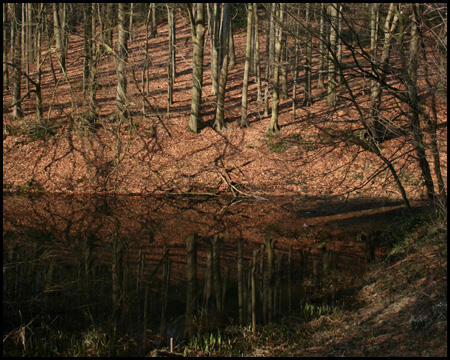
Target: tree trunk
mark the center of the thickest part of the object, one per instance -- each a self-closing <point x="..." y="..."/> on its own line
<point x="214" y="44"/>
<point x="257" y="55"/>
<point x="331" y="90"/>
<point x="273" y="127"/>
<point x="379" y="70"/>
<point x="171" y="60"/>
<point x="308" y="68"/>
<point x="15" y="60"/>
<point x="244" y="122"/>
<point x="320" y="83"/>
<point x="410" y="71"/>
<point x="121" y="97"/>
<point x="198" y="33"/>
<point x="5" y="53"/>
<point x="219" y="122"/>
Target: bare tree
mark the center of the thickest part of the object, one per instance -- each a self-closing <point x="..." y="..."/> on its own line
<point x="196" y="15"/>
<point x="219" y="122"/>
<point x="273" y="127"/>
<point x="250" y="16"/>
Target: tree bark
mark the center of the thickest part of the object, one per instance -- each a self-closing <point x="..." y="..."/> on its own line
<point x="331" y="90"/>
<point x="219" y="122"/>
<point x="198" y="33"/>
<point x="121" y="97"/>
<point x="244" y="122"/>
<point x="273" y="127"/>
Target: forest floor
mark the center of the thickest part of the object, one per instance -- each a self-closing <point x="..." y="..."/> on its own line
<point x="156" y="153"/>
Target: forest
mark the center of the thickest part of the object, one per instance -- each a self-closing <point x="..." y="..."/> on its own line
<point x="252" y="101"/>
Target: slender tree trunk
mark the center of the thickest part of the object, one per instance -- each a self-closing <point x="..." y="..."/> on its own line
<point x="214" y="44"/>
<point x="198" y="33"/>
<point x="308" y="95"/>
<point x="331" y="91"/>
<point x="5" y="52"/>
<point x="94" y="52"/>
<point x="410" y="71"/>
<point x="231" y="47"/>
<point x="171" y="60"/>
<point x="244" y="122"/>
<point x="219" y="122"/>
<point x="380" y="69"/>
<point x="121" y="98"/>
<point x="273" y="127"/>
<point x="39" y="24"/>
<point x="270" y="39"/>
<point x="15" y="60"/>
<point x="257" y="54"/>
<point x="130" y="30"/>
<point x="320" y="81"/>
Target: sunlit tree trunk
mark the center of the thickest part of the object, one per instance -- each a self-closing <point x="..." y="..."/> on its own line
<point x="219" y="122"/>
<point x="320" y="82"/>
<point x="308" y="68"/>
<point x="5" y="47"/>
<point x="331" y="90"/>
<point x="15" y="13"/>
<point x="273" y="127"/>
<point x="198" y="32"/>
<point x="379" y="69"/>
<point x="257" y="54"/>
<point x="214" y="24"/>
<point x="244" y="122"/>
<point x="410" y="74"/>
<point x="121" y="97"/>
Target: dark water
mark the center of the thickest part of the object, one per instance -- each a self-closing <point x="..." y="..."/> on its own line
<point x="155" y="268"/>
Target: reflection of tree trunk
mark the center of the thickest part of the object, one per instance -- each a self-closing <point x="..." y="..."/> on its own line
<point x="277" y="298"/>
<point x="216" y="242"/>
<point x="326" y="260"/>
<point x="303" y="263"/>
<point x="270" y="242"/>
<point x="164" y="297"/>
<point x="208" y="284"/>
<point x="317" y="273"/>
<point x="191" y="293"/>
<point x="240" y="251"/>
<point x="255" y="253"/>
<point x="226" y="276"/>
<point x="289" y="277"/>
<point x="117" y="276"/>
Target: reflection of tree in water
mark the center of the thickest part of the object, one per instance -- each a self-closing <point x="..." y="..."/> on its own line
<point x="121" y="252"/>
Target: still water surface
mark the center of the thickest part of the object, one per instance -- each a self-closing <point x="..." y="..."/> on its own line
<point x="157" y="268"/>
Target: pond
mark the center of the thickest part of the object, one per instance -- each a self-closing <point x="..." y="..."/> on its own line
<point x="153" y="271"/>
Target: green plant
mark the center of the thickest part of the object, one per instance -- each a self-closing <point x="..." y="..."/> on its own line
<point x="40" y="131"/>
